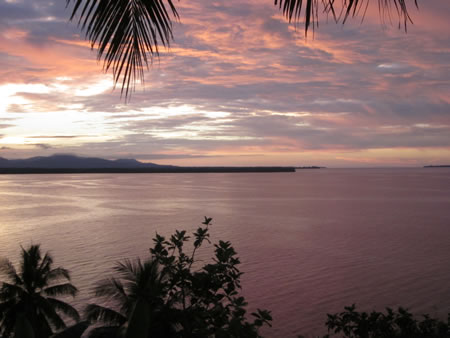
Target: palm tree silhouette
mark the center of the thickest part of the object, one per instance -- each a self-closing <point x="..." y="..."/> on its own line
<point x="28" y="307"/>
<point x="136" y="302"/>
<point x="128" y="33"/>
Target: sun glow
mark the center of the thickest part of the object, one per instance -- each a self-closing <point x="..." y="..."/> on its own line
<point x="10" y="94"/>
<point x="99" y="87"/>
<point x="70" y="127"/>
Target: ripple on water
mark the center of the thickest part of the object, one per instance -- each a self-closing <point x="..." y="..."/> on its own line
<point x="310" y="242"/>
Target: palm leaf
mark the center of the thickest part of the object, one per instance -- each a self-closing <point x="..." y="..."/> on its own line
<point x="46" y="263"/>
<point x="292" y="10"/>
<point x="8" y="269"/>
<point x="25" y="294"/>
<point x="61" y="290"/>
<point x="9" y="291"/>
<point x="124" y="31"/>
<point x="111" y="288"/>
<point x="94" y="313"/>
<point x="48" y="310"/>
<point x="129" y="269"/>
<point x="58" y="273"/>
<point x="41" y="275"/>
<point x="29" y="264"/>
<point x="63" y="307"/>
<point x="74" y="331"/>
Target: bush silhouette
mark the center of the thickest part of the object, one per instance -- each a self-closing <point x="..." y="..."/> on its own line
<point x="165" y="296"/>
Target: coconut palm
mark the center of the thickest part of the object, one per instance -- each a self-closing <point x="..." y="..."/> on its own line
<point x="28" y="305"/>
<point x="128" y="33"/>
<point x="136" y="302"/>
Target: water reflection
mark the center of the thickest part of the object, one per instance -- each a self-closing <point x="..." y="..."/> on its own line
<point x="310" y="242"/>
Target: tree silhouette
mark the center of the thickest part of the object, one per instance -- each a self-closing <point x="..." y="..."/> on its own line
<point x="398" y="323"/>
<point x="170" y="295"/>
<point x="128" y="33"/>
<point x="28" y="307"/>
<point x="136" y="302"/>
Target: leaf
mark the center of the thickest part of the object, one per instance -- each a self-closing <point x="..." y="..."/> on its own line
<point x="94" y="313"/>
<point x="124" y="33"/>
<point x="61" y="290"/>
<point x="74" y="331"/>
<point x="292" y="10"/>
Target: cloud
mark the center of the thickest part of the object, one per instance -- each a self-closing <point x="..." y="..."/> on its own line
<point x="43" y="146"/>
<point x="57" y="136"/>
<point x="237" y="81"/>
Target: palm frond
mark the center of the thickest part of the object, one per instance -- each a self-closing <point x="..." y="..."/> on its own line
<point x="74" y="331"/>
<point x="124" y="31"/>
<point x="8" y="269"/>
<point x="293" y="9"/>
<point x="129" y="270"/>
<point x="46" y="263"/>
<point x="9" y="291"/>
<point x="48" y="310"/>
<point x="8" y="319"/>
<point x="58" y="273"/>
<point x="29" y="264"/>
<point x="63" y="307"/>
<point x="98" y="313"/>
<point x="61" y="290"/>
<point x="111" y="288"/>
<point x="141" y="278"/>
<point x="27" y="290"/>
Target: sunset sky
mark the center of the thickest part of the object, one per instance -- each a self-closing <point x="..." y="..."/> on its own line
<point x="238" y="86"/>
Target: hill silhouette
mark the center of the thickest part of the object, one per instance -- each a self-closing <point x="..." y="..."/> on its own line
<point x="64" y="164"/>
<point x="76" y="162"/>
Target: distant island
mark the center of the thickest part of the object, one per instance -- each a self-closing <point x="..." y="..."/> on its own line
<point x="68" y="164"/>
<point x="437" y="166"/>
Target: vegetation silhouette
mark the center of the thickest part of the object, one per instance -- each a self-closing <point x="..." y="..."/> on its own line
<point x="398" y="323"/>
<point x="137" y="297"/>
<point x="127" y="33"/>
<point x="28" y="307"/>
<point x="171" y="293"/>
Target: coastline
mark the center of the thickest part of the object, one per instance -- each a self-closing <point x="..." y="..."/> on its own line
<point x="169" y="170"/>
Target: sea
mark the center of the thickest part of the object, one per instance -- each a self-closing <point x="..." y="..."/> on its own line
<point x="310" y="242"/>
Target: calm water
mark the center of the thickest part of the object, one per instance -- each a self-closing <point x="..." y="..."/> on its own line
<point x="310" y="242"/>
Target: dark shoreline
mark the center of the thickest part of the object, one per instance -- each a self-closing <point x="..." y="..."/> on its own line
<point x="171" y="170"/>
<point x="437" y="166"/>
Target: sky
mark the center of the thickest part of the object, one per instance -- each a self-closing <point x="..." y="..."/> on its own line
<point x="238" y="86"/>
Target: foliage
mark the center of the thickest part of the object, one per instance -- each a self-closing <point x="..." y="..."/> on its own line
<point x="126" y="31"/>
<point x="137" y="299"/>
<point x="392" y="324"/>
<point x="28" y="307"/>
<point x="168" y="297"/>
<point x="169" y="294"/>
<point x="292" y="10"/>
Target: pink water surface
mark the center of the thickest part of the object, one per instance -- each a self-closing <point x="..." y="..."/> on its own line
<point x="310" y="242"/>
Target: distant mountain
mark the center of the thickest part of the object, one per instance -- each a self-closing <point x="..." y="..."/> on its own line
<point x="76" y="162"/>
